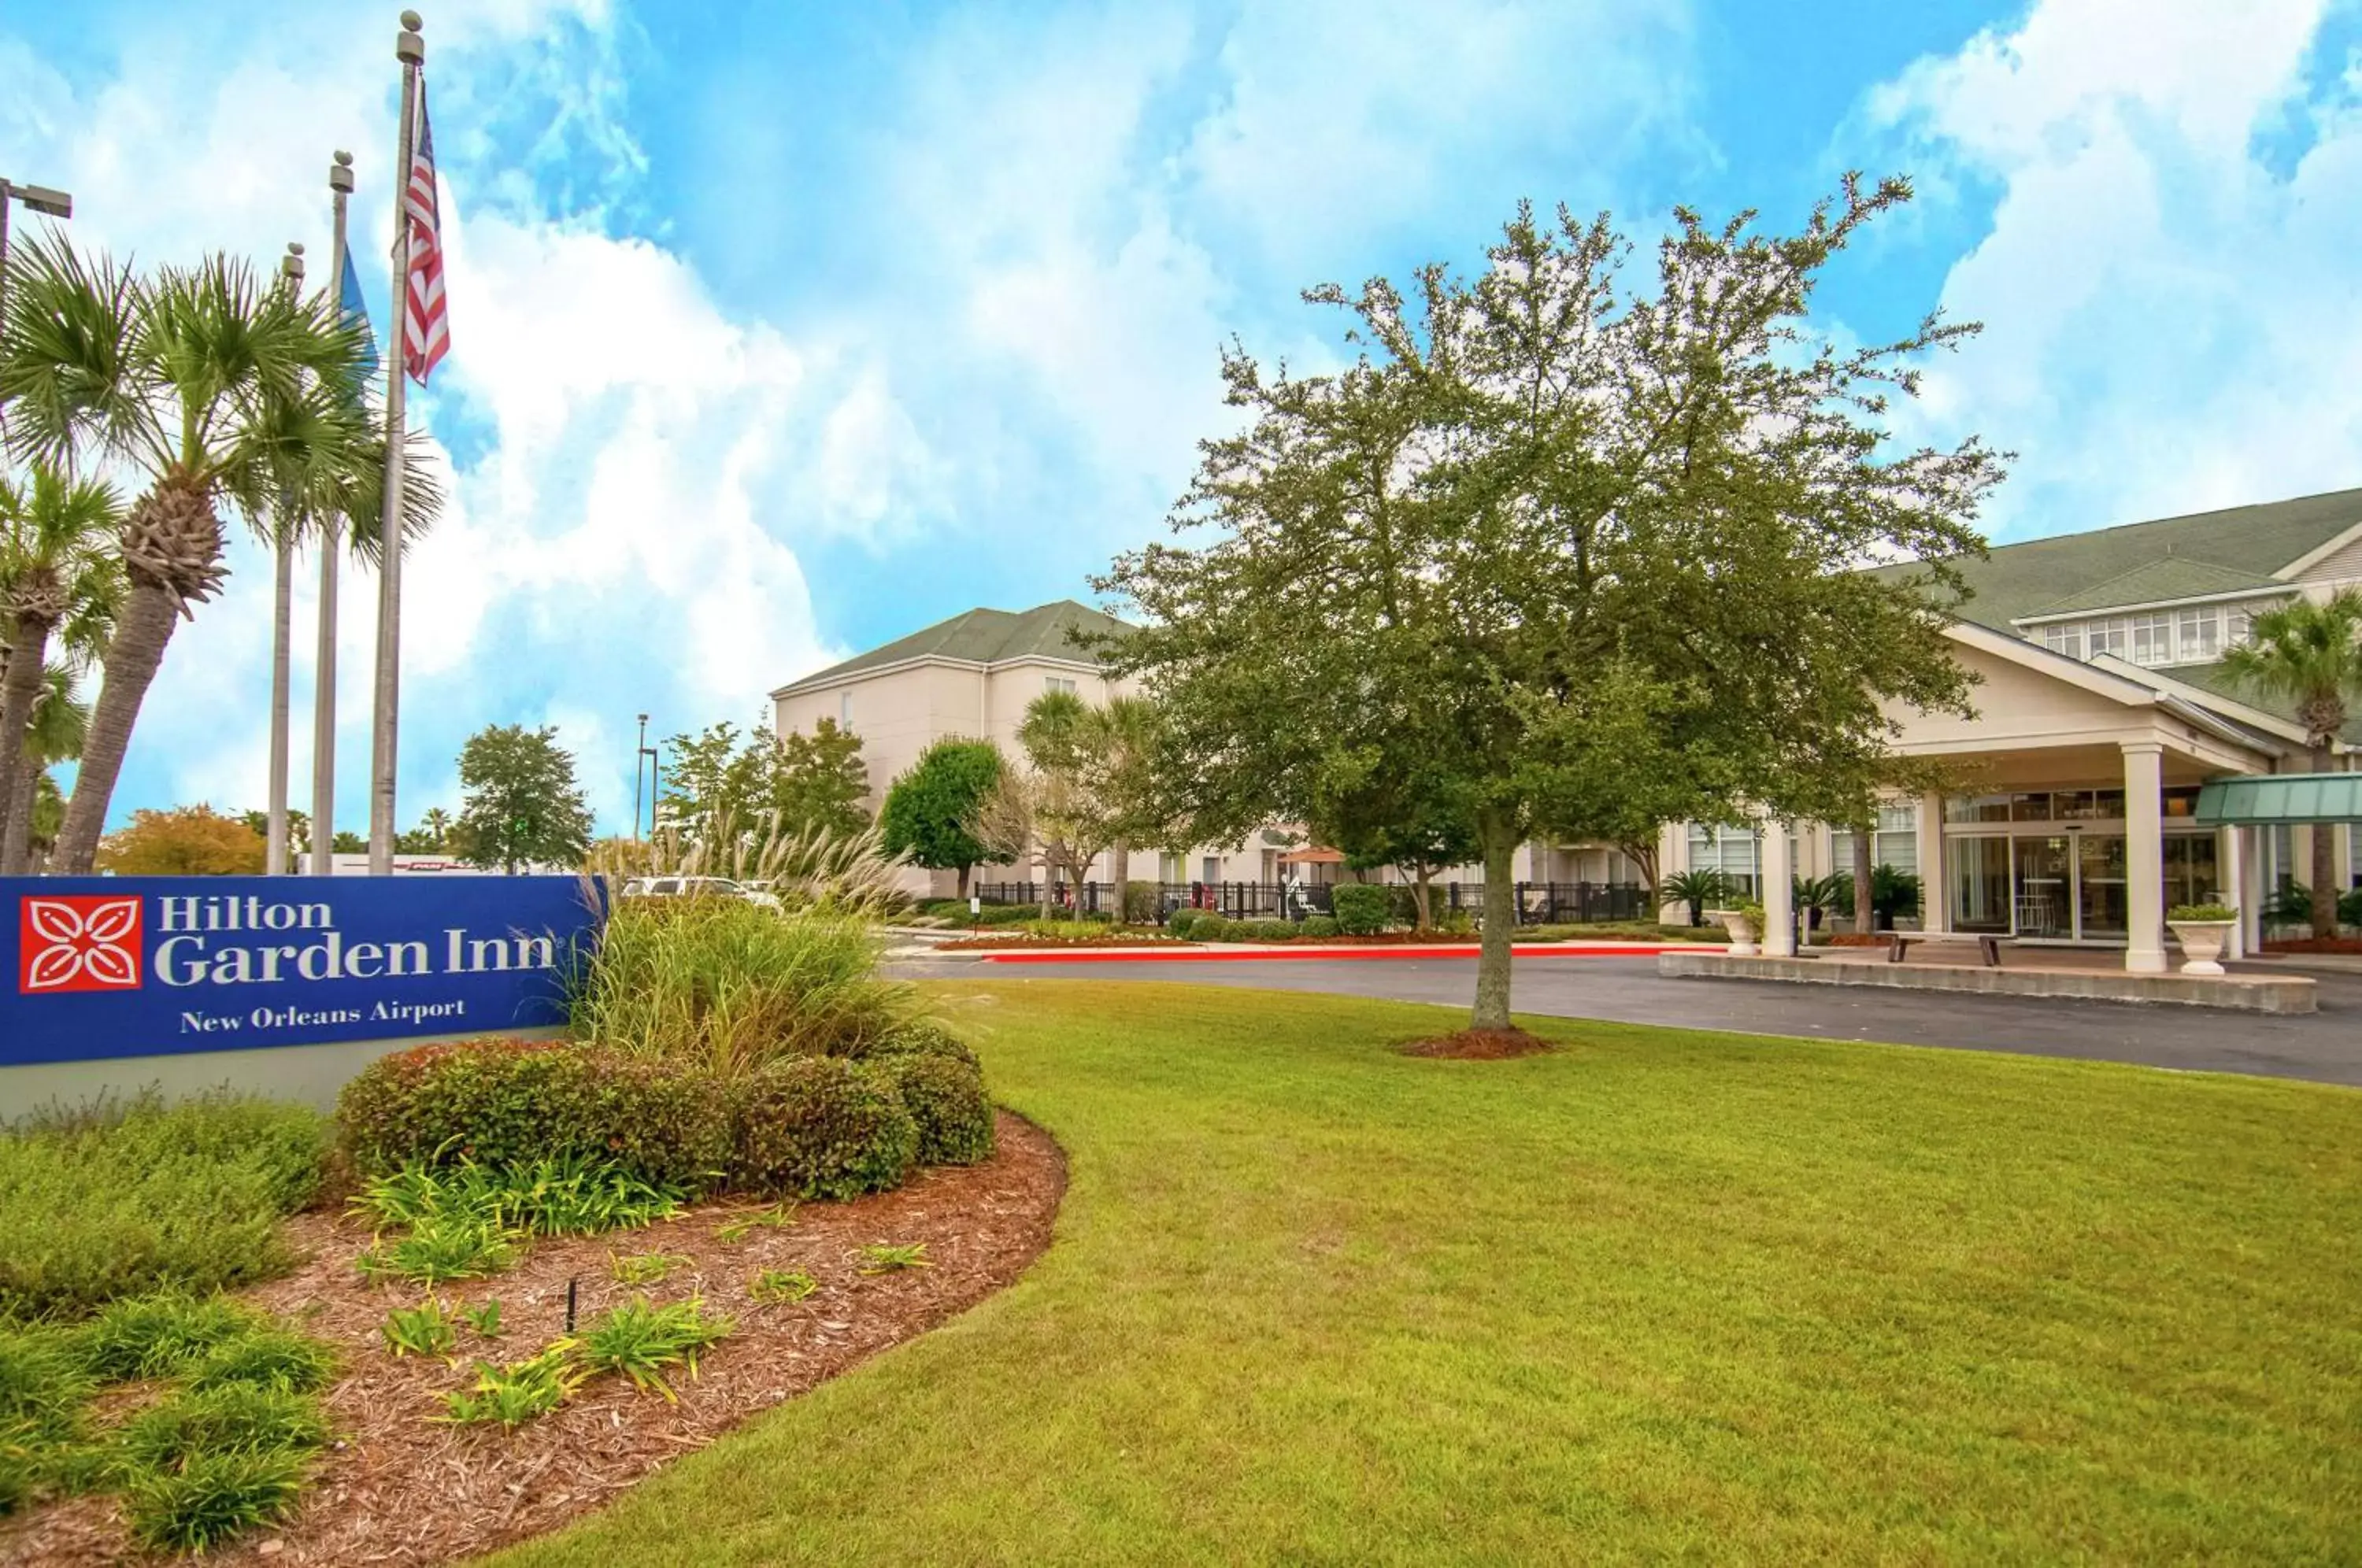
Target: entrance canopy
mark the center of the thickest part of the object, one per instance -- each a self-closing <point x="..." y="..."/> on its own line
<point x="2269" y="799"/>
<point x="1313" y="858"/>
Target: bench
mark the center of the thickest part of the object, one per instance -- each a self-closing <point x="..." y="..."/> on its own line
<point x="1899" y="945"/>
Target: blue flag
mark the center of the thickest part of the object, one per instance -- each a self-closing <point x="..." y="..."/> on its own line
<point x="356" y="308"/>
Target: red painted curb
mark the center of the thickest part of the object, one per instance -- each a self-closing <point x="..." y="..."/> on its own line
<point x="1211" y="956"/>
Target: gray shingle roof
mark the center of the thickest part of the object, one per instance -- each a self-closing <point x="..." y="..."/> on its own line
<point x="2250" y="542"/>
<point x="981" y="636"/>
<point x="2161" y="582"/>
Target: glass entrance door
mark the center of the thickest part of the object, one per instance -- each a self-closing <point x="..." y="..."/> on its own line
<point x="2102" y="903"/>
<point x="2046" y="891"/>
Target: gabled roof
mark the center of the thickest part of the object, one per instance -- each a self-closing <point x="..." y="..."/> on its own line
<point x="2014" y="581"/>
<point x="2160" y="582"/>
<point x="980" y="637"/>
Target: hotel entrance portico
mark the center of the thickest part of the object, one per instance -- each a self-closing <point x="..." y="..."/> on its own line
<point x="2074" y="818"/>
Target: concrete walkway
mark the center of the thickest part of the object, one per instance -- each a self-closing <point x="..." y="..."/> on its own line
<point x="2324" y="1046"/>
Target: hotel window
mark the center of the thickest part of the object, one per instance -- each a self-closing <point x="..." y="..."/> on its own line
<point x="1897" y="842"/>
<point x="2152" y="639"/>
<point x="1168" y="868"/>
<point x="2107" y="637"/>
<point x="1058" y="683"/>
<point x="2198" y="636"/>
<point x="2064" y="638"/>
<point x="1730" y="851"/>
<point x="2238" y="622"/>
<point x="1211" y="868"/>
<point x="845" y="710"/>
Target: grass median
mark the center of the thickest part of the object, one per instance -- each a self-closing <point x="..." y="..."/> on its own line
<point x="1657" y="1293"/>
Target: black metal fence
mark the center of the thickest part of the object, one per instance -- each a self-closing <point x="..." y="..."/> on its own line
<point x="1537" y="903"/>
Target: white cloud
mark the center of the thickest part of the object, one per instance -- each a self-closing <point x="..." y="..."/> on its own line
<point x="2169" y="304"/>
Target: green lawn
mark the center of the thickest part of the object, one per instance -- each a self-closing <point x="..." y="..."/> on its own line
<point x="1658" y="1293"/>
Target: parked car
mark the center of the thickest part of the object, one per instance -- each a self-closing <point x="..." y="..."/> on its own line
<point x="696" y="887"/>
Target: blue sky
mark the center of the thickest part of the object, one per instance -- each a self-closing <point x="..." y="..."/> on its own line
<point x="780" y="330"/>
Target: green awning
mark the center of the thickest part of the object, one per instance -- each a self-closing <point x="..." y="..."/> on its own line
<point x="2282" y="798"/>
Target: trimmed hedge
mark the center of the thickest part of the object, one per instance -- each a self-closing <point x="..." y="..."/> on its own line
<point x="1181" y="923"/>
<point x="1361" y="907"/>
<point x="1319" y="927"/>
<point x="822" y="1127"/>
<point x="508" y="1102"/>
<point x="1213" y="928"/>
<point x="946" y="1100"/>
<point x="924" y="1037"/>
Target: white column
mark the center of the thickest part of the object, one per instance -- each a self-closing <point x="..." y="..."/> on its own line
<point x="1935" y="893"/>
<point x="2249" y="888"/>
<point x="2144" y="856"/>
<point x="2230" y="866"/>
<point x="1779" y="891"/>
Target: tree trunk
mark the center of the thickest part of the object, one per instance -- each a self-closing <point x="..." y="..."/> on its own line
<point x="1864" y="915"/>
<point x="962" y="881"/>
<point x="1120" y="858"/>
<point x="1499" y="837"/>
<point x="133" y="657"/>
<point x="24" y="789"/>
<point x="1423" y="895"/>
<point x="2325" y="863"/>
<point x="276" y="860"/>
<point x="18" y="692"/>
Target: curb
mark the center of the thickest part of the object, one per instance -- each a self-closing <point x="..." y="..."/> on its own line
<point x="1316" y="955"/>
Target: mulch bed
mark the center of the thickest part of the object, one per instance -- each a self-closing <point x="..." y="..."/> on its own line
<point x="398" y="1489"/>
<point x="1479" y="1046"/>
<point x="2313" y="945"/>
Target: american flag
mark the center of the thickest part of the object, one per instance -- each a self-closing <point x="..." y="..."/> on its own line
<point x="426" y="333"/>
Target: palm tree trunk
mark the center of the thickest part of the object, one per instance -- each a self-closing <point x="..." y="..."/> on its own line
<point x="2325" y="863"/>
<point x="24" y="788"/>
<point x="282" y="636"/>
<point x="133" y="657"/>
<point x="18" y="692"/>
<point x="1121" y="857"/>
<point x="1499" y="837"/>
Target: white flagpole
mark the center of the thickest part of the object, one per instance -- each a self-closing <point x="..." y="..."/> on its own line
<point x="323" y="657"/>
<point x="411" y="50"/>
<point x="282" y="636"/>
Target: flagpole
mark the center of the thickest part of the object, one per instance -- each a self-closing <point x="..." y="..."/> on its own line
<point x="283" y="634"/>
<point x="323" y="657"/>
<point x="410" y="48"/>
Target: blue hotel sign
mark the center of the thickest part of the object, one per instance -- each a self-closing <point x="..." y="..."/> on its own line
<point x="102" y="966"/>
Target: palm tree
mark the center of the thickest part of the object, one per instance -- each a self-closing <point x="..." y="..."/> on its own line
<point x="61" y="722"/>
<point x="1122" y="735"/>
<point x="57" y="570"/>
<point x="2309" y="655"/>
<point x="436" y="825"/>
<point x="183" y="377"/>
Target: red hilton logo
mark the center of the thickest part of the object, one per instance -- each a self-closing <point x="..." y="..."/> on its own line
<point x="85" y="941"/>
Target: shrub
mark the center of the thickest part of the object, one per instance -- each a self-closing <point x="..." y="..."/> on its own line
<point x="1360" y="908"/>
<point x="1211" y="928"/>
<point x="2201" y="912"/>
<point x="565" y="1195"/>
<point x="1270" y="930"/>
<point x="214" y="1496"/>
<point x="1319" y="927"/>
<point x="731" y="985"/>
<point x="44" y="1381"/>
<point x="441" y="1247"/>
<point x="168" y="1434"/>
<point x="924" y="1037"/>
<point x="1180" y="922"/>
<point x="519" y="1105"/>
<point x="156" y="1336"/>
<point x="265" y="1356"/>
<point x="822" y="1127"/>
<point x="640" y="1340"/>
<point x="134" y="1197"/>
<point x="946" y="1100"/>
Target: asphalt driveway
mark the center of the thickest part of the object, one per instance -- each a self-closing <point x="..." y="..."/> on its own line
<point x="2325" y="1047"/>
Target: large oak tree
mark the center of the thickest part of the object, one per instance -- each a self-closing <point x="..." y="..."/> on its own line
<point x="1582" y="546"/>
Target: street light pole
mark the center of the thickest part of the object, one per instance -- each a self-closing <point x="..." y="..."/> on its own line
<point x="641" y="743"/>
<point x="35" y="198"/>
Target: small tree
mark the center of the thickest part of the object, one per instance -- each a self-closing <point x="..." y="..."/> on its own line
<point x="188" y="841"/>
<point x="2309" y="655"/>
<point x="1409" y="818"/>
<point x="816" y="782"/>
<point x="799" y="783"/>
<point x="928" y="812"/>
<point x="521" y="805"/>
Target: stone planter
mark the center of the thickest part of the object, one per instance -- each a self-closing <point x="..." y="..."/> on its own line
<point x="2201" y="944"/>
<point x="1741" y="930"/>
